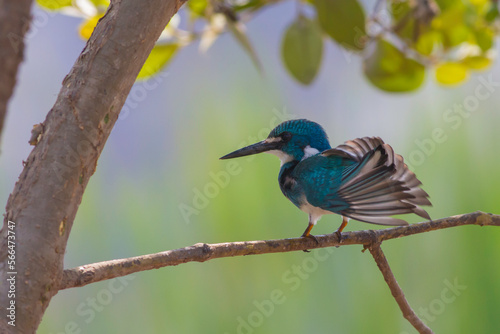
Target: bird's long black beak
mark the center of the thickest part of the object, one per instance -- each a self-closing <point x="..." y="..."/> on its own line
<point x="263" y="146"/>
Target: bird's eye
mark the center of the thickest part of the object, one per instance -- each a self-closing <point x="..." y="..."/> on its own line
<point x="286" y="136"/>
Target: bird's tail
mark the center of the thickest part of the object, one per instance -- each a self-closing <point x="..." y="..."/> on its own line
<point x="381" y="185"/>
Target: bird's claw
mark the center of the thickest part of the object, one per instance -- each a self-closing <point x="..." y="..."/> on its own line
<point x="310" y="236"/>
<point x="339" y="235"/>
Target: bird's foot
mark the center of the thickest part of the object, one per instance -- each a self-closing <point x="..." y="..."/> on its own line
<point x="339" y="235"/>
<point x="310" y="236"/>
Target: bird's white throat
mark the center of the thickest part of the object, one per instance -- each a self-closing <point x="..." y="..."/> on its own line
<point x="284" y="157"/>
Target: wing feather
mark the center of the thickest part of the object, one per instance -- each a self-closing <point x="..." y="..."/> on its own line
<point x="381" y="185"/>
<point x="362" y="179"/>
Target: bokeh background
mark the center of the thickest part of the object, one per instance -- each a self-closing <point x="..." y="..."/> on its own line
<point x="164" y="150"/>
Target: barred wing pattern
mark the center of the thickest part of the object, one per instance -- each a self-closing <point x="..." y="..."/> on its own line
<point x="379" y="185"/>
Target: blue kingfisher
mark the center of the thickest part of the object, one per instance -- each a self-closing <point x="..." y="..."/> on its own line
<point x="362" y="179"/>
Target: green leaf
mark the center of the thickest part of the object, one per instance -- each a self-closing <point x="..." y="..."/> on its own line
<point x="455" y="35"/>
<point x="54" y="4"/>
<point x="100" y="3"/>
<point x="446" y="4"/>
<point x="389" y="69"/>
<point x="477" y="62"/>
<point x="451" y="73"/>
<point x="403" y="19"/>
<point x="484" y="38"/>
<point x="453" y="25"/>
<point x="492" y="13"/>
<point x="450" y="17"/>
<point x="344" y="21"/>
<point x="427" y="41"/>
<point x="479" y="3"/>
<point x="158" y="58"/>
<point x="302" y="49"/>
<point x="197" y="7"/>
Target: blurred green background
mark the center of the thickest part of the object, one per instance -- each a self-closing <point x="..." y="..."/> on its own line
<point x="165" y="149"/>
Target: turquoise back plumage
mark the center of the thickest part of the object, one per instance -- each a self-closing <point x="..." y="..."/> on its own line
<point x="320" y="178"/>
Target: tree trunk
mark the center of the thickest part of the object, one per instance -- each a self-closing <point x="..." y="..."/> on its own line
<point x="14" y="22"/>
<point x="46" y="197"/>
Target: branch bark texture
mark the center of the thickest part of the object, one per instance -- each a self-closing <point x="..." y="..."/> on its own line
<point x="202" y="252"/>
<point x="15" y="18"/>
<point x="46" y="197"/>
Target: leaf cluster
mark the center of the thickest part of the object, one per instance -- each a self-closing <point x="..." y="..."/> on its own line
<point x="399" y="42"/>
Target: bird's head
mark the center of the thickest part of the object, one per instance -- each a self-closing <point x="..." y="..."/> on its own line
<point x="291" y="140"/>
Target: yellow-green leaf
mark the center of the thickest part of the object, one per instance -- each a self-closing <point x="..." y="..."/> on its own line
<point x="492" y="12"/>
<point x="450" y="17"/>
<point x="456" y="35"/>
<point x="54" y="4"/>
<point x="427" y="41"/>
<point x="100" y="3"/>
<point x="344" y="21"/>
<point x="403" y="19"/>
<point x="87" y="27"/>
<point x="479" y="3"/>
<point x="302" y="49"/>
<point x="446" y="4"/>
<point x="477" y="62"/>
<point x="197" y="7"/>
<point x="451" y="73"/>
<point x="390" y="70"/>
<point x="158" y="58"/>
<point x="485" y="38"/>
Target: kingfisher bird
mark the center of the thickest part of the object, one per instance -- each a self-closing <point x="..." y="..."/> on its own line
<point x="362" y="179"/>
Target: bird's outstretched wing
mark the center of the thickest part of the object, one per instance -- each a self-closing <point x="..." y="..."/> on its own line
<point x="365" y="180"/>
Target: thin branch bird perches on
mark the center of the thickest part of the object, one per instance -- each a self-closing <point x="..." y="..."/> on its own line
<point x="201" y="252"/>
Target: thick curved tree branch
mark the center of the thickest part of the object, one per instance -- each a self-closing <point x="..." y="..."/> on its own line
<point x="45" y="200"/>
<point x="15" y="19"/>
<point x="202" y="252"/>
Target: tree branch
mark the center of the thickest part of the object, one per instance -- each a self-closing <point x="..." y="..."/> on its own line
<point x="396" y="291"/>
<point x="44" y="202"/>
<point x="202" y="252"/>
<point x="15" y="19"/>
